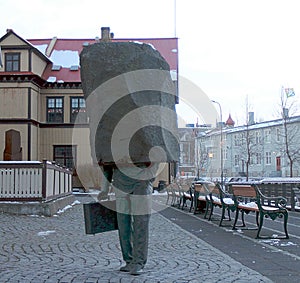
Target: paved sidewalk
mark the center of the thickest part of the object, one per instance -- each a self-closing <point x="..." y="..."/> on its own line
<point x="56" y="249"/>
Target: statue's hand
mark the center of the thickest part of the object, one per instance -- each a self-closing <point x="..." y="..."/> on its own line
<point x="102" y="195"/>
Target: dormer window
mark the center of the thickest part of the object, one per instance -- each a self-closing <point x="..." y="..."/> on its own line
<point x="12" y="62"/>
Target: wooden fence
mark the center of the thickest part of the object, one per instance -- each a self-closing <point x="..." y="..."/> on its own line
<point x="33" y="181"/>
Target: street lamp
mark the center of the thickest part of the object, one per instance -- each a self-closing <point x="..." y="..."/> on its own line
<point x="221" y="145"/>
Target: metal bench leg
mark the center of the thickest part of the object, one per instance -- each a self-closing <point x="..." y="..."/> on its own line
<point x="192" y="202"/>
<point x="167" y="199"/>
<point x="261" y="220"/>
<point x="236" y="219"/>
<point x="285" y="225"/>
<point x="211" y="211"/>
<point x="172" y="200"/>
<point x="257" y="214"/>
<point x="229" y="217"/>
<point x="243" y="219"/>
<point x="180" y="200"/>
<point x="183" y="202"/>
<point x="222" y="216"/>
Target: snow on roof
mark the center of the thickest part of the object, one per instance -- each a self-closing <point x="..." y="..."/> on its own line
<point x="42" y="48"/>
<point x="51" y="79"/>
<point x="65" y="58"/>
<point x="256" y="126"/>
<point x="266" y="124"/>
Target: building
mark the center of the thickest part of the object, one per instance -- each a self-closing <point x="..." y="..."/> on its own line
<point x="41" y="96"/>
<point x="253" y="150"/>
<point x="188" y="162"/>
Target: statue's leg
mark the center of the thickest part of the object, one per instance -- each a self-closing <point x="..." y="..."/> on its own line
<point x="141" y="202"/>
<point x="134" y="199"/>
<point x="124" y="225"/>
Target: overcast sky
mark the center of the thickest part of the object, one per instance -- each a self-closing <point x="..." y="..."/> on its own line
<point x="231" y="49"/>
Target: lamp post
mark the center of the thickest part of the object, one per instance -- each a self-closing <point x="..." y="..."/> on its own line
<point x="221" y="143"/>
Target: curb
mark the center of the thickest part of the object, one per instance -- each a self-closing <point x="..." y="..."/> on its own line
<point x="45" y="208"/>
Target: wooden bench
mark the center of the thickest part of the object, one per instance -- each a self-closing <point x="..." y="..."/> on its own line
<point x="186" y="194"/>
<point x="175" y="193"/>
<point x="248" y="198"/>
<point x="201" y="190"/>
<point x="179" y="194"/>
<point x="170" y="195"/>
<point x="219" y="198"/>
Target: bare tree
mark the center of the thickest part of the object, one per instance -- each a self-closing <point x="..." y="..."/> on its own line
<point x="290" y="132"/>
<point x="202" y="157"/>
<point x="208" y="154"/>
<point x="250" y="141"/>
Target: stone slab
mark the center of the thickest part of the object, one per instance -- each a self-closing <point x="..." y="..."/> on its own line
<point x="130" y="100"/>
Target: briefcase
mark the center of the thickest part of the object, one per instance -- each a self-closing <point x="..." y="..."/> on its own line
<point x="100" y="216"/>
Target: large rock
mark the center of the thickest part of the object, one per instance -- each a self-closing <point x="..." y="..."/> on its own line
<point x="130" y="102"/>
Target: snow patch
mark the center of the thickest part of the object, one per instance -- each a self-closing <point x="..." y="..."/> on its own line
<point x="68" y="207"/>
<point x="65" y="58"/>
<point x="42" y="48"/>
<point x="46" y="233"/>
<point x="51" y="79"/>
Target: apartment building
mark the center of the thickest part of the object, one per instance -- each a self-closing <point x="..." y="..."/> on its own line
<point x="264" y="149"/>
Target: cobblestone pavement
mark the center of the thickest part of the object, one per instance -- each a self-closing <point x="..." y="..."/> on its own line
<point x="56" y="249"/>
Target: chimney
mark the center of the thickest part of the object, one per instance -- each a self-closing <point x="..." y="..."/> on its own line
<point x="251" y="118"/>
<point x="51" y="46"/>
<point x="105" y="34"/>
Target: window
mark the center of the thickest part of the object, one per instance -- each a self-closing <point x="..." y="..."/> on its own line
<point x="268" y="158"/>
<point x="236" y="160"/>
<point x="225" y="154"/>
<point x="65" y="155"/>
<point x="212" y="153"/>
<point x="55" y="111"/>
<point x="181" y="147"/>
<point x="237" y="140"/>
<point x="78" y="109"/>
<point x="258" y="158"/>
<point x="243" y="139"/>
<point x="257" y="138"/>
<point x="278" y="135"/>
<point x="267" y="135"/>
<point x="12" y="62"/>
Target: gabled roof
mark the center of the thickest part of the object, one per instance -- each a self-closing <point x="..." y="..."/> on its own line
<point x="10" y="32"/>
<point x="64" y="54"/>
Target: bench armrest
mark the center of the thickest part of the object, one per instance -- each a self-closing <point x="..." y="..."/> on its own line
<point x="279" y="202"/>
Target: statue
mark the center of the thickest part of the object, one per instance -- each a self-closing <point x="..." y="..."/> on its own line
<point x="130" y="100"/>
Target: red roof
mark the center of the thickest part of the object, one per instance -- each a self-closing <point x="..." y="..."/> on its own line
<point x="68" y="50"/>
